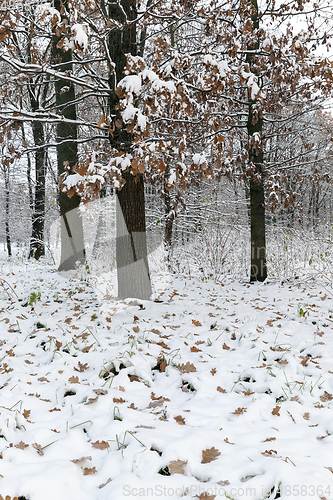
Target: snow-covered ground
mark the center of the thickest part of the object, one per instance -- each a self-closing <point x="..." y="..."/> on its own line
<point x="212" y="391"/>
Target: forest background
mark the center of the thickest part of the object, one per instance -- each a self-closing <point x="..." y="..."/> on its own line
<point x="203" y="125"/>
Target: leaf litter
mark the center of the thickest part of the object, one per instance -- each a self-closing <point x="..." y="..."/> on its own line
<point x="274" y="384"/>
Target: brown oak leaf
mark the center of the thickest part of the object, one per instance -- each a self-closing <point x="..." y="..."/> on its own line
<point x="21" y="445"/>
<point x="276" y="411"/>
<point x="82" y="367"/>
<point x="326" y="396"/>
<point x="180" y="420"/>
<point x="100" y="392"/>
<point x="91" y="400"/>
<point x="104" y="484"/>
<point x="73" y="379"/>
<point x="26" y="413"/>
<point x="195" y="322"/>
<point x="87" y="471"/>
<point x="186" y="368"/>
<point x="100" y="445"/>
<point x="119" y="400"/>
<point x="268" y="453"/>
<point x="38" y="448"/>
<point x="209" y="455"/>
<point x="239" y="411"/>
<point x="81" y="460"/>
<point x="205" y="496"/>
<point x="177" y="467"/>
<point x="219" y="388"/>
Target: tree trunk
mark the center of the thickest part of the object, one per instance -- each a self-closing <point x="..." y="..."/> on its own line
<point x="131" y="244"/>
<point x="169" y="218"/>
<point x="37" y="247"/>
<point x="8" y="240"/>
<point x="257" y="190"/>
<point x="72" y="241"/>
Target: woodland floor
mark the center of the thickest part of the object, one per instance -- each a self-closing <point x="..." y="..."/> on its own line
<point x="214" y="391"/>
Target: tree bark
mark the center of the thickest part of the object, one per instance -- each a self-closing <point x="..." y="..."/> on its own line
<point x="131" y="244"/>
<point x="257" y="190"/>
<point x="72" y="241"/>
<point x="7" y="228"/>
<point x="37" y="246"/>
<point x="169" y="218"/>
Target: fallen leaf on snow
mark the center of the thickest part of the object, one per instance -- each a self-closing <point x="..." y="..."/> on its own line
<point x="119" y="400"/>
<point x="104" y="484"/>
<point x="239" y="411"/>
<point x="81" y="460"/>
<point x="326" y="396"/>
<point x="177" y="467"/>
<point x="268" y="453"/>
<point x="276" y="411"/>
<point x="100" y="445"/>
<point x="91" y="400"/>
<point x="21" y="445"/>
<point x="195" y="322"/>
<point x="156" y="403"/>
<point x="38" y="448"/>
<point x="87" y="471"/>
<point x="219" y="388"/>
<point x="100" y="392"/>
<point x="73" y="379"/>
<point x="186" y="368"/>
<point x="209" y="455"/>
<point x="26" y="413"/>
<point x="205" y="496"/>
<point x="180" y="420"/>
<point x="82" y="367"/>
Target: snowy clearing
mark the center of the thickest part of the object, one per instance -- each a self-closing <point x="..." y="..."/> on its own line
<point x="214" y="391"/>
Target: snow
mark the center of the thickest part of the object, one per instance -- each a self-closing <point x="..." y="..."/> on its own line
<point x="172" y="177"/>
<point x="73" y="180"/>
<point x="80" y="32"/>
<point x="47" y="8"/>
<point x="199" y="158"/>
<point x="87" y="414"/>
<point x="267" y="44"/>
<point x="131" y="83"/>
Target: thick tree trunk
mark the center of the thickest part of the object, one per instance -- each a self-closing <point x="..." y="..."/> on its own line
<point x="257" y="190"/>
<point x="72" y="241"/>
<point x="37" y="247"/>
<point x="131" y="245"/>
<point x="7" y="228"/>
<point x="169" y="219"/>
